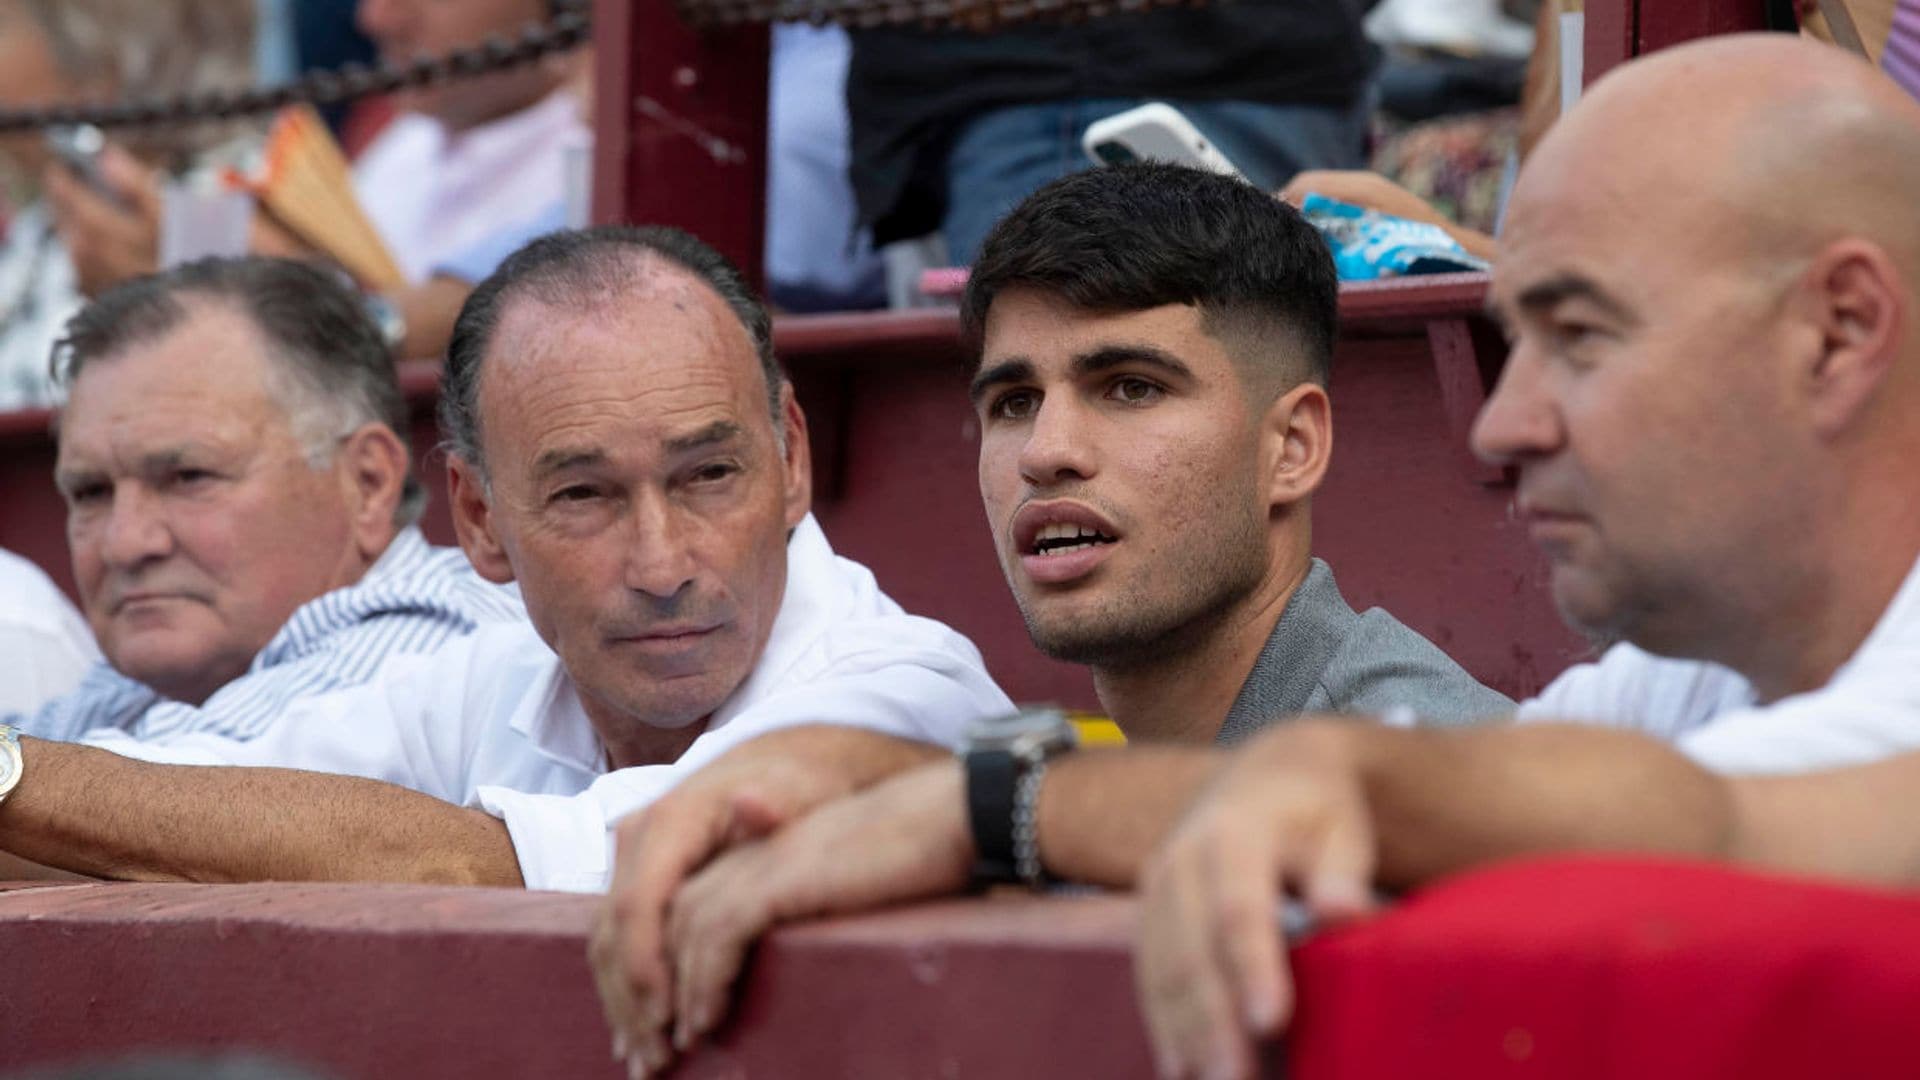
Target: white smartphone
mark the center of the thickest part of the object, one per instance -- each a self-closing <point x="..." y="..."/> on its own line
<point x="1154" y="132"/>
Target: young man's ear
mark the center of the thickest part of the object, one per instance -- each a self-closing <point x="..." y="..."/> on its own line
<point x="798" y="465"/>
<point x="1859" y="307"/>
<point x="1296" y="441"/>
<point x="372" y="466"/>
<point x="473" y="520"/>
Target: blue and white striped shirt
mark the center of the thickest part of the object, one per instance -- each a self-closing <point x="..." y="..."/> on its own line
<point x="414" y="599"/>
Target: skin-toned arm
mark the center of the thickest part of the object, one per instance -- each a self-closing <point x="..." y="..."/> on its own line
<point x="1101" y="814"/>
<point x="743" y="794"/>
<point x="1358" y="187"/>
<point x="91" y="812"/>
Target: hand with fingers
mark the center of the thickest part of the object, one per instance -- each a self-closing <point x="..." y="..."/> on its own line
<point x="110" y="238"/>
<point x="903" y="839"/>
<point x="1287" y="815"/>
<point x="743" y="795"/>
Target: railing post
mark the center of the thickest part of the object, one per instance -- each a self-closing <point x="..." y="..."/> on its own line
<point x="680" y="122"/>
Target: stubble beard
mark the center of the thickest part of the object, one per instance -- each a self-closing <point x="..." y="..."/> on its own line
<point x="1139" y="627"/>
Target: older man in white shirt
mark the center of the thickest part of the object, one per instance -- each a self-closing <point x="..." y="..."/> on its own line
<point x="626" y="449"/>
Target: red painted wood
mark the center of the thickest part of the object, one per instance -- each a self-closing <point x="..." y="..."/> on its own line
<point x="1571" y="967"/>
<point x="1619" y="30"/>
<point x="1456" y="366"/>
<point x="1670" y="22"/>
<point x="680" y="123"/>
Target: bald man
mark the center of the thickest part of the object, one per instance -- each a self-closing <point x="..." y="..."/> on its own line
<point x="1709" y="275"/>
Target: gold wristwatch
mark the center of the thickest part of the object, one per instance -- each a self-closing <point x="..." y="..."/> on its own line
<point x="12" y="764"/>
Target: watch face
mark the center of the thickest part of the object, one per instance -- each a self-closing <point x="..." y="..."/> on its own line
<point x="9" y="764"/>
<point x="1026" y="726"/>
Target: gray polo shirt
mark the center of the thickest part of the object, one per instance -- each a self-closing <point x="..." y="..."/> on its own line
<point x="1323" y="657"/>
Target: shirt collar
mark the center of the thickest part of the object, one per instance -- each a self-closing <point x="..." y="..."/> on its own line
<point x="1303" y="642"/>
<point x="550" y="714"/>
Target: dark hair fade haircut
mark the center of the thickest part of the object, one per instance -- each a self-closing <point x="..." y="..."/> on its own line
<point x="585" y="268"/>
<point x="321" y="338"/>
<point x="1143" y="235"/>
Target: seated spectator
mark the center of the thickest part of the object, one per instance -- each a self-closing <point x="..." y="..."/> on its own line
<point x="953" y="127"/>
<point x="468" y="171"/>
<point x="1154" y="351"/>
<point x="46" y="644"/>
<point x="1710" y="407"/>
<point x="240" y="505"/>
<point x="625" y="447"/>
<point x="469" y="157"/>
<point x="60" y="51"/>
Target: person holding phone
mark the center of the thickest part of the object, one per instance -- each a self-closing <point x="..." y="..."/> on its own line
<point x="91" y="50"/>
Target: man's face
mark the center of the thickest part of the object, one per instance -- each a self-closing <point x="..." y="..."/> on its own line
<point x="196" y="524"/>
<point x="1119" y="465"/>
<point x="406" y="29"/>
<point x="1644" y="406"/>
<point x="639" y="493"/>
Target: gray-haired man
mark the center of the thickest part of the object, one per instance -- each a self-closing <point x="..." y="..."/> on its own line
<point x="240" y="504"/>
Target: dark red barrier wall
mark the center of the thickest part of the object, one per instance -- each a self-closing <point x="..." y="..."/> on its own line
<point x="1407" y="519"/>
<point x="1565" y="969"/>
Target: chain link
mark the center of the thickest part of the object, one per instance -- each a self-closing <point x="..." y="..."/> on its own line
<point x="568" y="28"/>
<point x="980" y="15"/>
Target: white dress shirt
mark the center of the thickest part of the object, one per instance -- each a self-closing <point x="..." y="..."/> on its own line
<point x="1869" y="710"/>
<point x="414" y="599"/>
<point x="434" y="194"/>
<point x="45" y="646"/>
<point x="494" y="721"/>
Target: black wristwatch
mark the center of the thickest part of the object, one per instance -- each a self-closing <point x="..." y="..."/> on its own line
<point x="1006" y="759"/>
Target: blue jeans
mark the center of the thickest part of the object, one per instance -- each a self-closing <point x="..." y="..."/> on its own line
<point x="1001" y="157"/>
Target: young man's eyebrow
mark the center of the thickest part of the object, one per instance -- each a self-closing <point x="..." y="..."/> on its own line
<point x="1016" y="369"/>
<point x="1109" y="357"/>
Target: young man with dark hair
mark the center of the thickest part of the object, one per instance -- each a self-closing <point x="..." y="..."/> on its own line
<point x="1154" y="345"/>
<point x="1154" y="349"/>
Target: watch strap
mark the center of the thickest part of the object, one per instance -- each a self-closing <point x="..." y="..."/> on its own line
<point x="993" y="775"/>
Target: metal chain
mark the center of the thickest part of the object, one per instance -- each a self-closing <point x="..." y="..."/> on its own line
<point x="568" y="28"/>
<point x="868" y="14"/>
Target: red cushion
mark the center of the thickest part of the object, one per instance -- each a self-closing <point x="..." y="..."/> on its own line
<point x="1595" y="967"/>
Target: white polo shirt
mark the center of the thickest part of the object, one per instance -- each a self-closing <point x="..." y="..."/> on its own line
<point x="45" y="646"/>
<point x="494" y="721"/>
<point x="1869" y="710"/>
